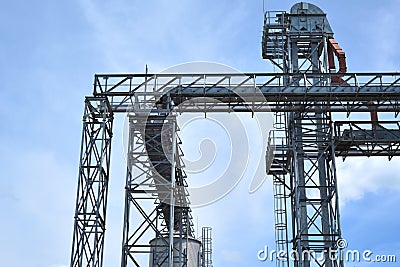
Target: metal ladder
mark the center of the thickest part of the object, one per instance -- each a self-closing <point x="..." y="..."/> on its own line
<point x="277" y="147"/>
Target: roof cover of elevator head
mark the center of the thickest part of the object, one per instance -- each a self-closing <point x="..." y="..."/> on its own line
<point x="306" y="17"/>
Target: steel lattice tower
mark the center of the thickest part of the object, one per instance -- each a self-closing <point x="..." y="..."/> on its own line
<point x="297" y="42"/>
<point x="206" y="240"/>
<point x="302" y="148"/>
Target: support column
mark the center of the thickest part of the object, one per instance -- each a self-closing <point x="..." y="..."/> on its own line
<point x="315" y="202"/>
<point x="94" y="171"/>
<point x="157" y="218"/>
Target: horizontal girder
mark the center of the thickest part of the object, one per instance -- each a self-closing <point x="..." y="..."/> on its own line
<point x="255" y="92"/>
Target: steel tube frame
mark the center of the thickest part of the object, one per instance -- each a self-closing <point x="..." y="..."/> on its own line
<point x="145" y="187"/>
<point x="119" y="96"/>
<point x="94" y="170"/>
<point x="303" y="171"/>
<point x="206" y="245"/>
<point x="104" y="104"/>
<point x="131" y="91"/>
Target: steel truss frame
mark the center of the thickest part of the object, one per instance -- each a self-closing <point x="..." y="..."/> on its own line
<point x="138" y="94"/>
<point x="314" y="198"/>
<point x="152" y="199"/>
<point x="133" y="91"/>
<point x="367" y="138"/>
<point x="206" y="244"/>
<point x="303" y="167"/>
<point x="302" y="148"/>
<point x="94" y="174"/>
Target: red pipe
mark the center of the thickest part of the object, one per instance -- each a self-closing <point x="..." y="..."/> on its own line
<point x="335" y="50"/>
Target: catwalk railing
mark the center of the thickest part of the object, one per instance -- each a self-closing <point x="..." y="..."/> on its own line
<point x="254" y="92"/>
<point x="367" y="138"/>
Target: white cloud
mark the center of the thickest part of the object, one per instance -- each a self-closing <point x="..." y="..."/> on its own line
<point x="358" y="176"/>
<point x="163" y="33"/>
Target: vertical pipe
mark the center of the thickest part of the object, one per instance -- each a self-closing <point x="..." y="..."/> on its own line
<point x="321" y="133"/>
<point x="334" y="191"/>
<point x="302" y="195"/>
<point x="300" y="191"/>
<point x="295" y="56"/>
<point x="131" y="141"/>
<point x="172" y="198"/>
<point x="323" y="187"/>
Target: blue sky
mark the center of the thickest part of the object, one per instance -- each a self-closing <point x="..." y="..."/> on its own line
<point x="49" y="53"/>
